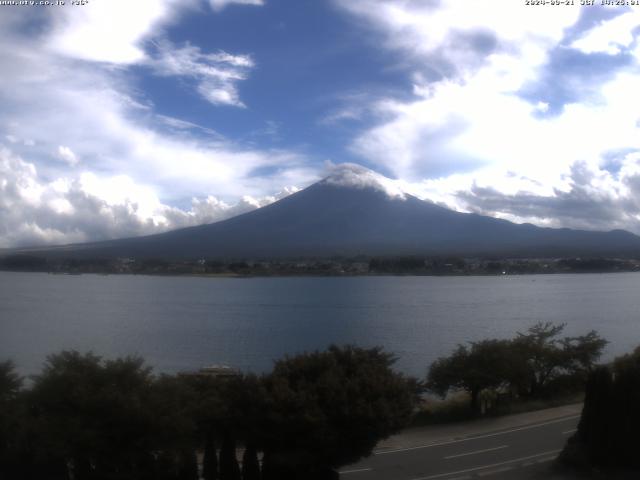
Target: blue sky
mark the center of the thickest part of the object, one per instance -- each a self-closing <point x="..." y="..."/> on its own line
<point x="123" y="118"/>
<point x="308" y="58"/>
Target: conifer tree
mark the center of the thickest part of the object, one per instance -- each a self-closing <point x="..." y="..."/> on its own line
<point x="210" y="459"/>
<point x="188" y="469"/>
<point x="594" y="429"/>
<point x="250" y="464"/>
<point x="229" y="468"/>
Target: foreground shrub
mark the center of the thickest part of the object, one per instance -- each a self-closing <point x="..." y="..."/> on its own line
<point x="329" y="409"/>
<point x="534" y="364"/>
<point x="85" y="418"/>
<point x="608" y="429"/>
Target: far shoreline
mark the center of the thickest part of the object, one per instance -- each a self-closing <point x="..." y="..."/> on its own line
<point x="357" y="266"/>
<point x="301" y="275"/>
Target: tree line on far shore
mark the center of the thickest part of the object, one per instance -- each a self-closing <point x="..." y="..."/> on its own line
<point x="338" y="266"/>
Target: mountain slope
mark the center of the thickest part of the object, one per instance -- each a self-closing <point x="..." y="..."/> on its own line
<point x="338" y="217"/>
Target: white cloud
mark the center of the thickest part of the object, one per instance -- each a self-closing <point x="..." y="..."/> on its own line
<point x="482" y="59"/>
<point x="470" y="127"/>
<point x="424" y="27"/>
<point x="114" y="31"/>
<point x="610" y="36"/>
<point x="542" y="107"/>
<point x="88" y="34"/>
<point x="216" y="74"/>
<point x="137" y="167"/>
<point x="34" y="211"/>
<point x="93" y="112"/>
<point x="66" y="155"/>
<point x="356" y="176"/>
<point x="220" y="4"/>
<point x="110" y="31"/>
<point x="593" y="199"/>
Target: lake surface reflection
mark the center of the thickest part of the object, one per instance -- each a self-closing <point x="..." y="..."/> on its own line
<point x="182" y="323"/>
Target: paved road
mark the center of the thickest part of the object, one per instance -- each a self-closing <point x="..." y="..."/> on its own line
<point x="519" y="451"/>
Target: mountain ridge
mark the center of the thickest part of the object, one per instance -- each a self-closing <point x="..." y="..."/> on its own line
<point x="356" y="212"/>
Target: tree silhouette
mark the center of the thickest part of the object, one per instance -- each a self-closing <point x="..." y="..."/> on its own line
<point x="610" y="421"/>
<point x="229" y="468"/>
<point x="109" y="418"/>
<point x="250" y="463"/>
<point x="330" y="408"/>
<point x="482" y="365"/>
<point x="10" y="420"/>
<point x="210" y="458"/>
<point x="528" y="363"/>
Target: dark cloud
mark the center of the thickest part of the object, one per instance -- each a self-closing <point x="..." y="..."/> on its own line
<point x="480" y="42"/>
<point x="572" y="76"/>
<point x="589" y="19"/>
<point x="584" y="205"/>
<point x="461" y="51"/>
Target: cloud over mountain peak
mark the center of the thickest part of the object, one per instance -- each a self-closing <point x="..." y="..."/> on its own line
<point x="356" y="176"/>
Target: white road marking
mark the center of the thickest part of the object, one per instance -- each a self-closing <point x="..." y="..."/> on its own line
<point x="567" y="432"/>
<point x="450" y="442"/>
<point x="495" y="470"/>
<point x="358" y="470"/>
<point x="548" y="459"/>
<point x="484" y="467"/>
<point x="476" y="452"/>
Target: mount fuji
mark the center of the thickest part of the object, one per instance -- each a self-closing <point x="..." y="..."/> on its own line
<point x="356" y="211"/>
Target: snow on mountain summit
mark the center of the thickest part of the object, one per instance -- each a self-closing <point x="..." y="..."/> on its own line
<point x="356" y="176"/>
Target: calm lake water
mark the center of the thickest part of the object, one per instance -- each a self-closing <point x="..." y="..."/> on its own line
<point x="182" y="323"/>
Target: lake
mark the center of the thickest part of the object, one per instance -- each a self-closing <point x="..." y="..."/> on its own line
<point x="183" y="323"/>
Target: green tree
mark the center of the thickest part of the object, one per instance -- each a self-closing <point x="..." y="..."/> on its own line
<point x="250" y="464"/>
<point x="10" y="419"/>
<point x="626" y="409"/>
<point x="328" y="409"/>
<point x="106" y="418"/>
<point x="187" y="465"/>
<point x="481" y="365"/>
<point x="10" y="382"/>
<point x="227" y="410"/>
<point x="173" y="402"/>
<point x="583" y="352"/>
<point x="538" y="347"/>
<point x="528" y="363"/>
<point x="229" y="468"/>
<point x="610" y="421"/>
<point x="543" y="356"/>
<point x="595" y="427"/>
<point x="210" y="458"/>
